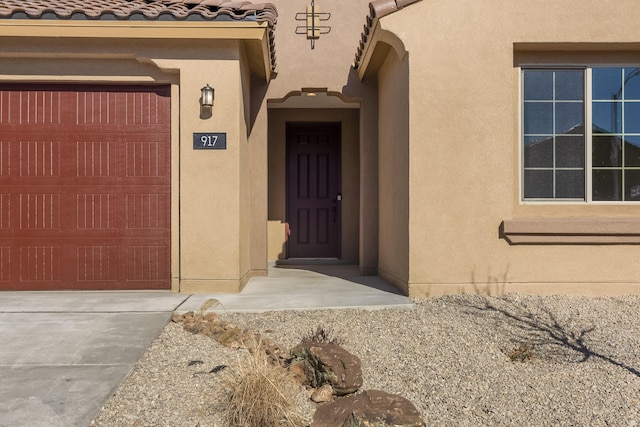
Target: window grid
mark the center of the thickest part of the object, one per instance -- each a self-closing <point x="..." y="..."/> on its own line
<point x="620" y="99"/>
<point x="553" y="135"/>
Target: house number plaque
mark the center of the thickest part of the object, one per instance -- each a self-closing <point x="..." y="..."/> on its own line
<point x="210" y="141"/>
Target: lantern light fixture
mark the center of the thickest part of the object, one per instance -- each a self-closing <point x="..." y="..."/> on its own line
<point x="207" y="94"/>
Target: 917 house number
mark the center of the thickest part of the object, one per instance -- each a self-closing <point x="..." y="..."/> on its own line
<point x="210" y="141"/>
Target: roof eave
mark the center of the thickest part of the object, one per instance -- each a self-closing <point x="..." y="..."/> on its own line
<point x="256" y="36"/>
<point x="370" y="51"/>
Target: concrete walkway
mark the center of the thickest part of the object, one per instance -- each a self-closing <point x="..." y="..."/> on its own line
<point x="306" y="287"/>
<point x="63" y="354"/>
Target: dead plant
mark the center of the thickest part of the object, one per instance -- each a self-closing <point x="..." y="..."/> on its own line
<point x="323" y="335"/>
<point x="261" y="394"/>
<point x="521" y="353"/>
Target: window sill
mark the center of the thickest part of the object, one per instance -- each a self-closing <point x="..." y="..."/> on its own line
<point x="571" y="231"/>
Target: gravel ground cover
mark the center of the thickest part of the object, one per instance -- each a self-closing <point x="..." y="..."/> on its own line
<point x="451" y="356"/>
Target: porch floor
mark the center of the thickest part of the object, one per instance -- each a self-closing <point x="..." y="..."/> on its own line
<point x="300" y="286"/>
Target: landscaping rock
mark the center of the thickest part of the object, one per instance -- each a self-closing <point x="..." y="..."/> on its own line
<point x="231" y="336"/>
<point x="296" y="370"/>
<point x="370" y="408"/>
<point x="322" y="394"/>
<point x="328" y="363"/>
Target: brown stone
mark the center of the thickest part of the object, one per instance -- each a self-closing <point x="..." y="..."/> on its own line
<point x="277" y="354"/>
<point x="370" y="408"/>
<point x="296" y="370"/>
<point x="234" y="337"/>
<point x="193" y="326"/>
<point x="322" y="394"/>
<point x="177" y="318"/>
<point x="328" y="363"/>
<point x="211" y="317"/>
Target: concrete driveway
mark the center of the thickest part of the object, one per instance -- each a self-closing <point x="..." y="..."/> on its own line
<point x="63" y="354"/>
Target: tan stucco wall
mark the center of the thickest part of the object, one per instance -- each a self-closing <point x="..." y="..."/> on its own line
<point x="393" y="146"/>
<point x="463" y="102"/>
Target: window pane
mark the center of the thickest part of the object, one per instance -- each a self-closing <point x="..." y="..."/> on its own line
<point x="538" y="85"/>
<point x="607" y="185"/>
<point x="607" y="83"/>
<point x="570" y="85"/>
<point x="632" y="150"/>
<point x="570" y="151"/>
<point x="538" y="184"/>
<point x="570" y="184"/>
<point x="606" y="151"/>
<point x="632" y="185"/>
<point x="538" y="152"/>
<point x="632" y="117"/>
<point x="538" y="118"/>
<point x="569" y="117"/>
<point x="607" y="117"/>
<point x="632" y="83"/>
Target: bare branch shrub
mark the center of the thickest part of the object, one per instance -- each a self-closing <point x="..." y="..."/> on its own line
<point x="324" y="335"/>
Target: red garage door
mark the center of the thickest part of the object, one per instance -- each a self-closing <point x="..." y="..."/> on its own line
<point x="84" y="187"/>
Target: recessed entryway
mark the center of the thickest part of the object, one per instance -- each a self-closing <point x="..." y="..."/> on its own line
<point x="329" y="186"/>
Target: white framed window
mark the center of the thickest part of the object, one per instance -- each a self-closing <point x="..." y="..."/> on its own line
<point x="581" y="134"/>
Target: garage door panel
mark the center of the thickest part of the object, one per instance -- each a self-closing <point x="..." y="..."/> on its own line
<point x="96" y="158"/>
<point x="98" y="263"/>
<point x="5" y="211"/>
<point x="146" y="159"/>
<point x="39" y="210"/>
<point x="84" y="188"/>
<point x="71" y="263"/>
<point x="20" y="107"/>
<point x="5" y="156"/>
<point x="40" y="263"/>
<point x="145" y="264"/>
<point x="39" y="157"/>
<point x="121" y="107"/>
<point x="147" y="211"/>
<point x="5" y="263"/>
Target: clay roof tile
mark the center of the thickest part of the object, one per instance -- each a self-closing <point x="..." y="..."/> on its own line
<point x="377" y="10"/>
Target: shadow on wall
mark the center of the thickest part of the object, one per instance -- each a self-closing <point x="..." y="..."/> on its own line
<point x="259" y="89"/>
<point x="562" y="333"/>
<point x="493" y="286"/>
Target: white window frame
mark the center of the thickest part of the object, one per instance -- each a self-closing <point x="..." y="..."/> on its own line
<point x="588" y="134"/>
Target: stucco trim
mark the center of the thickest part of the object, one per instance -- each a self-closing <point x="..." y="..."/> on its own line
<point x="571" y="231"/>
<point x="280" y="102"/>
<point x="256" y="36"/>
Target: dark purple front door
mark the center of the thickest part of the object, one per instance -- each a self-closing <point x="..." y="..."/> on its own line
<point x="313" y="190"/>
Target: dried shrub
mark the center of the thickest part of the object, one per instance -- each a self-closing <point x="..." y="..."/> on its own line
<point x="521" y="353"/>
<point x="323" y="335"/>
<point x="261" y="394"/>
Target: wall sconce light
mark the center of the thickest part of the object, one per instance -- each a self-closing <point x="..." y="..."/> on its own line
<point x="207" y="94"/>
